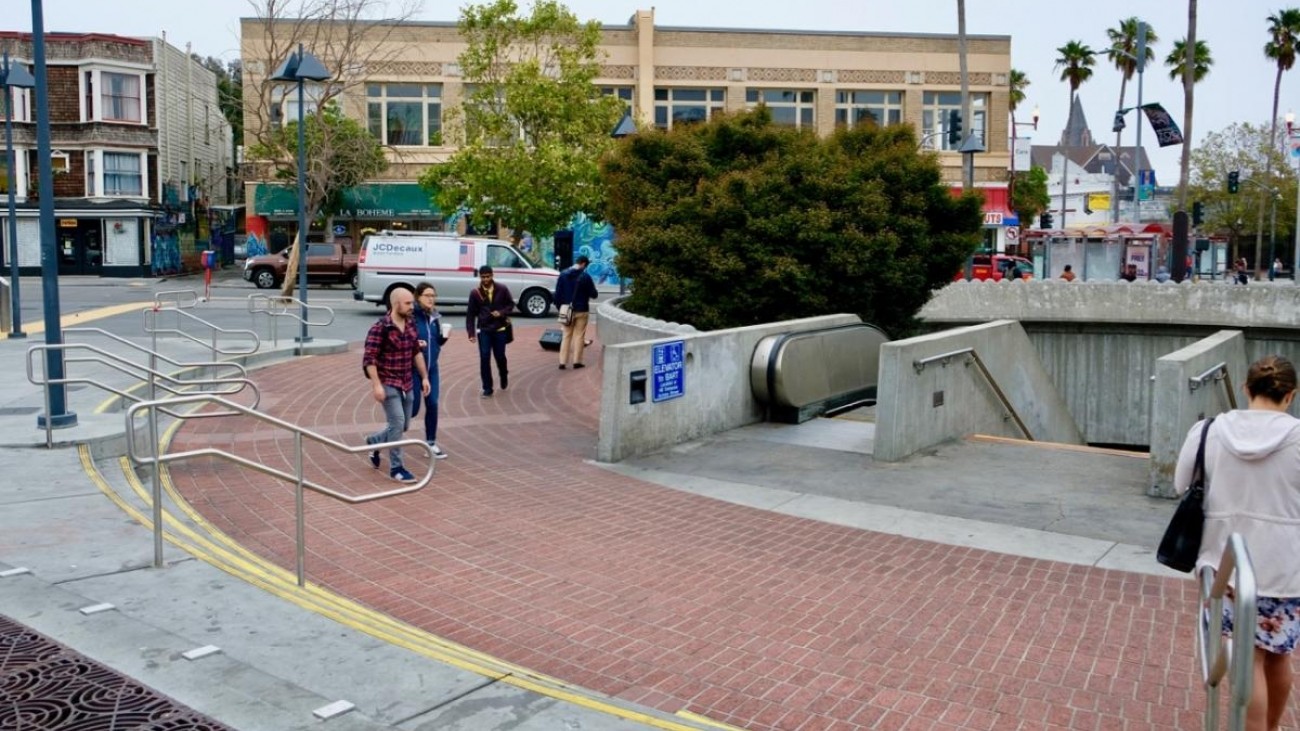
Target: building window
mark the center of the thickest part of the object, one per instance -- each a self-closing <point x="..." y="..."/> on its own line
<point x="120" y="96"/>
<point x="405" y="114"/>
<point x="123" y="174"/>
<point x="683" y="106"/>
<point x="881" y="108"/>
<point x="20" y="101"/>
<point x="938" y="105"/>
<point x="90" y="173"/>
<point x="789" y="108"/>
<point x="624" y="93"/>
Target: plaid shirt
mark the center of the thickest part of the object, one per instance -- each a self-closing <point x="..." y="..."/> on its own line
<point x="392" y="352"/>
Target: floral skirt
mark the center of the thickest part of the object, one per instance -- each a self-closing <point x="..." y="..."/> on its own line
<point x="1277" y="623"/>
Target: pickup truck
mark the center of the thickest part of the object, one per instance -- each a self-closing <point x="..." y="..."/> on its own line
<point x="326" y="264"/>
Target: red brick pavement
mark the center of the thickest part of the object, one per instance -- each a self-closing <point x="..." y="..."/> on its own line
<point x="766" y="621"/>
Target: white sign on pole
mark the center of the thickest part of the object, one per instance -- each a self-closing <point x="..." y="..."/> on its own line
<point x="1021" y="152"/>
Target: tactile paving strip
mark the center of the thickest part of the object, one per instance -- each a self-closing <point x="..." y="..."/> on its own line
<point x="46" y="686"/>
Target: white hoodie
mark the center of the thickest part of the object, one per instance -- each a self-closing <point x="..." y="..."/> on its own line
<point x="1252" y="472"/>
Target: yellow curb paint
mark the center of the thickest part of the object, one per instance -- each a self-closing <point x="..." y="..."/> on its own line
<point x="697" y="718"/>
<point x="241" y="563"/>
<point x="81" y="318"/>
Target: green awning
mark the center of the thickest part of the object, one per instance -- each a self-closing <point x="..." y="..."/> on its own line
<point x="371" y="201"/>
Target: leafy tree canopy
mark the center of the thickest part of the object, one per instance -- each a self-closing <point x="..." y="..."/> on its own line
<point x="1030" y="197"/>
<point x="533" y="125"/>
<point x="739" y="221"/>
<point x="1243" y="147"/>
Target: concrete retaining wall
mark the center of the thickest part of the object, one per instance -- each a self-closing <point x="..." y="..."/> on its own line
<point x="908" y="418"/>
<point x="1176" y="405"/>
<point x="717" y="391"/>
<point x="618" y="326"/>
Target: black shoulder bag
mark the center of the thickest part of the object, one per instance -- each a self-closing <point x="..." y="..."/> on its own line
<point x="1182" y="540"/>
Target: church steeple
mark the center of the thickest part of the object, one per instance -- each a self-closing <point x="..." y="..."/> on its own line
<point x="1076" y="132"/>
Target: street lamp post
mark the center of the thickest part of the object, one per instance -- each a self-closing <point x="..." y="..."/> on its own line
<point x="301" y="67"/>
<point x="13" y="77"/>
<point x="1295" y="263"/>
<point x="1011" y="187"/>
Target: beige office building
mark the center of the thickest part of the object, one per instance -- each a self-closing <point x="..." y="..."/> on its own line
<point x="809" y="79"/>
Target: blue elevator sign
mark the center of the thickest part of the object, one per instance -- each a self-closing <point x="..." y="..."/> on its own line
<point x="668" y="371"/>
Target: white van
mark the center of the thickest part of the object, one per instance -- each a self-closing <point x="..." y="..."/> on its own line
<point x="449" y="262"/>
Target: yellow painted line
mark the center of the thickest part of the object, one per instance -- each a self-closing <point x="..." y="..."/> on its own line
<point x="697" y="718"/>
<point x="81" y="318"/>
<point x="243" y="564"/>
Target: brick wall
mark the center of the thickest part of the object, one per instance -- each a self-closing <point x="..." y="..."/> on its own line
<point x="64" y="90"/>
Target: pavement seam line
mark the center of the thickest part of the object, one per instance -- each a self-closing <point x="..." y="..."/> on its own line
<point x="280" y="582"/>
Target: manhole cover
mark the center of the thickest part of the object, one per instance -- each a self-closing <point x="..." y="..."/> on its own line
<point x="44" y="685"/>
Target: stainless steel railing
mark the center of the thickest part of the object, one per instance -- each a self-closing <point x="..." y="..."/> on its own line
<point x="1218" y="374"/>
<point x="277" y="306"/>
<point x="213" y="365"/>
<point x="1218" y="658"/>
<point x="155" y="379"/>
<point x="944" y="359"/>
<point x="301" y="483"/>
<point x="152" y="327"/>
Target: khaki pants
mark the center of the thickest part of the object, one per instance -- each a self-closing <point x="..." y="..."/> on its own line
<point x="574" y="333"/>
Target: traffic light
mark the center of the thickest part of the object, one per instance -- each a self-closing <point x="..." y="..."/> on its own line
<point x="1198" y="213"/>
<point x="954" y="128"/>
<point x="1045" y="220"/>
<point x="1234" y="181"/>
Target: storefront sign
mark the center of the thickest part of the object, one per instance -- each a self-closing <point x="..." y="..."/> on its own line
<point x="993" y="218"/>
<point x="67" y="223"/>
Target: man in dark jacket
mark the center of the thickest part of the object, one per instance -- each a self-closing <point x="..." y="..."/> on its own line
<point x="488" y="321"/>
<point x="575" y="289"/>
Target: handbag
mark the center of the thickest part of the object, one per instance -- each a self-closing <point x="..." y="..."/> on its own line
<point x="509" y="332"/>
<point x="566" y="314"/>
<point x="1182" y="540"/>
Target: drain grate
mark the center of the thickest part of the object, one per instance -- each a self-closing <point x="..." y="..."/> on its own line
<point x="44" y="685"/>
<point x="18" y="410"/>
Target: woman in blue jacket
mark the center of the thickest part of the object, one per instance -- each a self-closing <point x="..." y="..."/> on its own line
<point x="428" y="326"/>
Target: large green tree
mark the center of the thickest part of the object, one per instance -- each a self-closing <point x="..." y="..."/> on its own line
<point x="1075" y="61"/>
<point x="739" y="221"/>
<point x="1029" y="197"/>
<point x="533" y="125"/>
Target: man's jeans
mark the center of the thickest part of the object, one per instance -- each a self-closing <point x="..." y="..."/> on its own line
<point x="494" y="344"/>
<point x="397" y="407"/>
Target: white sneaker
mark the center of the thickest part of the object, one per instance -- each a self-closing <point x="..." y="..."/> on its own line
<point x="437" y="451"/>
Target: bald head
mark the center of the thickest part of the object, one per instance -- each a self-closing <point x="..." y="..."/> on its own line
<point x="401" y="302"/>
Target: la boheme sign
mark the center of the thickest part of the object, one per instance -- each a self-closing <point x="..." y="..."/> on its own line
<point x="668" y="371"/>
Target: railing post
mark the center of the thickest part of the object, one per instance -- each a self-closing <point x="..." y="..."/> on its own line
<point x="49" y="423"/>
<point x="157" y="487"/>
<point x="298" y="504"/>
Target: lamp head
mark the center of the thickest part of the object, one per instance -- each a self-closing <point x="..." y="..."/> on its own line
<point x="1036" y="115"/>
<point x="301" y="66"/>
<point x="16" y="74"/>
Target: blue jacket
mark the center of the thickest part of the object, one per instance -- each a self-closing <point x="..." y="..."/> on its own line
<point x="428" y="326"/>
<point x="575" y="287"/>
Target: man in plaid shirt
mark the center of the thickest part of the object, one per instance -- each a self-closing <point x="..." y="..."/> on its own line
<point x="392" y="345"/>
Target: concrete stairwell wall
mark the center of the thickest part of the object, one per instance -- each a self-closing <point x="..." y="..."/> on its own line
<point x="1178" y="402"/>
<point x="920" y="409"/>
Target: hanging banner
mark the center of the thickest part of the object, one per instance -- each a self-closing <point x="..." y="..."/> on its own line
<point x="1167" y="132"/>
<point x="1099" y="201"/>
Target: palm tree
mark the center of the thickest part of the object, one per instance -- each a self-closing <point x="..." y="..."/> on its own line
<point x="1177" y="59"/>
<point x="1283" y="38"/>
<point x="1076" y="62"/>
<point x="1123" y="53"/>
<point x="1018" y="82"/>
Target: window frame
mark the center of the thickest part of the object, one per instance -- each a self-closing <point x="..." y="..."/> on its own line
<point x="91" y="93"/>
<point x="755" y="96"/>
<point x="943" y="102"/>
<point x="715" y="101"/>
<point x="849" y="112"/>
<point x="425" y="101"/>
<point x="98" y="169"/>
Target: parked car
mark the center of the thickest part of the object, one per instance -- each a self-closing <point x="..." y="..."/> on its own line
<point x="326" y="264"/>
<point x="391" y="259"/>
<point x="998" y="267"/>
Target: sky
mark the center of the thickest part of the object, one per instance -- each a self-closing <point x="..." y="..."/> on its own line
<point x="1239" y="87"/>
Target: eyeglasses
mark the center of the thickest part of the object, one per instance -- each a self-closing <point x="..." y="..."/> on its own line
<point x="430" y="295"/>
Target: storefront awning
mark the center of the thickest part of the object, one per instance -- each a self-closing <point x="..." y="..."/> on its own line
<point x="372" y="201"/>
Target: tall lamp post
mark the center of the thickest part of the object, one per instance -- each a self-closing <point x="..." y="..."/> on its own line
<point x="1011" y="187"/>
<point x="1295" y="262"/>
<point x="301" y="67"/>
<point x="13" y="77"/>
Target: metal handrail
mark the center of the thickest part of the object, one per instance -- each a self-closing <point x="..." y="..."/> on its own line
<point x="151" y="327"/>
<point x="1214" y="652"/>
<point x="123" y="365"/>
<point x="1218" y="374"/>
<point x="185" y="299"/>
<point x="240" y="370"/>
<point x="945" y="358"/>
<point x="274" y="306"/>
<point x="300" y="482"/>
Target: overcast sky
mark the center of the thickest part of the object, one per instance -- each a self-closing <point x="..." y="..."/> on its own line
<point x="1238" y="88"/>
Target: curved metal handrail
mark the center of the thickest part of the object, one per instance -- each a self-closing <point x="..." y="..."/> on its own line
<point x="277" y="306"/>
<point x="185" y="299"/>
<point x="239" y="369"/>
<point x="1218" y="374"/>
<point x="151" y="327"/>
<point x="296" y="477"/>
<point x="123" y="365"/>
<point x="1217" y="657"/>
<point x="945" y="358"/>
